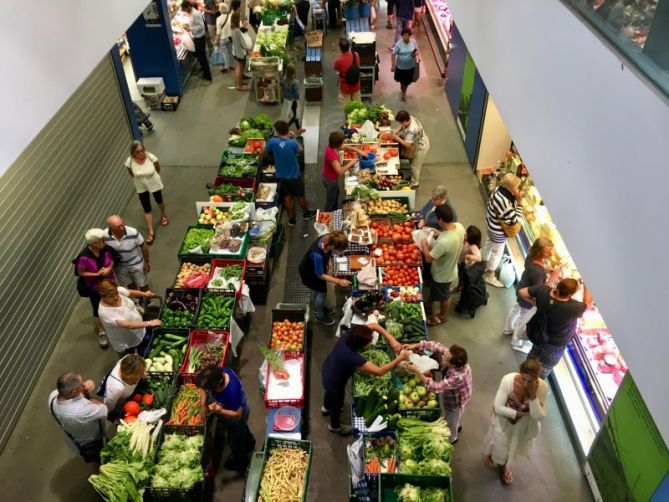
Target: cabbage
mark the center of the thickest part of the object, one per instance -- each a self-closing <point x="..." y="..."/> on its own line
<point x="433" y="495"/>
<point x="435" y="466"/>
<point x="354" y="105"/>
<point x="408" y="493"/>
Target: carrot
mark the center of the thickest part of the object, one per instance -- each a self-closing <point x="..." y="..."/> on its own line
<point x="391" y="465"/>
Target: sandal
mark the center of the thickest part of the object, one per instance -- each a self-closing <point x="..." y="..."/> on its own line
<point x="505" y="475"/>
<point x="487" y="460"/>
<point x="150" y="238"/>
<point x="436" y="321"/>
<point x="164" y="221"/>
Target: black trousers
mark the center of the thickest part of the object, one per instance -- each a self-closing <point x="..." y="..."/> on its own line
<point x="333" y="9"/>
<point x="333" y="402"/>
<point x="201" y="55"/>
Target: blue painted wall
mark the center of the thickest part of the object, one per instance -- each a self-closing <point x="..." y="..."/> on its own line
<point x="475" y="120"/>
<point x="456" y="68"/>
<point x="152" y="51"/>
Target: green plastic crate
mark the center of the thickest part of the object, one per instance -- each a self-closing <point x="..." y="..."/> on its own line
<point x="388" y="483"/>
<point x="184" y="253"/>
<point x="382" y="346"/>
<point x="293" y="444"/>
<point x="401" y="200"/>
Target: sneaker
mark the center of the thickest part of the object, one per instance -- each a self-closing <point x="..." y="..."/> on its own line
<point x="308" y="214"/>
<point x="413" y="183"/>
<point x="507" y="333"/>
<point x="324" y="411"/>
<point x="327" y="321"/>
<point x="342" y="430"/>
<point x="102" y="340"/>
<point x="492" y="280"/>
<point x="292" y="221"/>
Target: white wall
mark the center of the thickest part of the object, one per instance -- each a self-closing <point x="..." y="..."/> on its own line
<point x="495" y="138"/>
<point x="49" y="48"/>
<point x="596" y="140"/>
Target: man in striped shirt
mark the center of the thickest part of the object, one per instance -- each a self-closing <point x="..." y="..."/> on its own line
<point x="503" y="206"/>
<point x="133" y="265"/>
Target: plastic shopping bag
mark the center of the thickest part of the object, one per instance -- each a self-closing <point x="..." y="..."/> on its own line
<point x="368" y="130"/>
<point x="217" y="58"/>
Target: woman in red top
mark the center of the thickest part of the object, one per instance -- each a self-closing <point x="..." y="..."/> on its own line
<point x="332" y="168"/>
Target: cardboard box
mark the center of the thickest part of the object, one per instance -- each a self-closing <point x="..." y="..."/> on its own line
<point x="169" y="103"/>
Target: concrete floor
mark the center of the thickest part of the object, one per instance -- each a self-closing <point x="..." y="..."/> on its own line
<point x="189" y="143"/>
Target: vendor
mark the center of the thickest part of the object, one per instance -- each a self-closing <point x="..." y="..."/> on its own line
<point x="342" y="362"/>
<point x="333" y="168"/>
<point x="122" y="381"/>
<point x="119" y="315"/>
<point x="455" y="383"/>
<point x="427" y="216"/>
<point x="413" y="141"/>
<point x="313" y="271"/>
<point x="227" y="401"/>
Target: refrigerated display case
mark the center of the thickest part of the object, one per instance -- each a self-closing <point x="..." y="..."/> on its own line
<point x="590" y="372"/>
<point x="439" y="22"/>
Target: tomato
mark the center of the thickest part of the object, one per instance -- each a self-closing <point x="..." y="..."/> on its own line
<point x="387" y="156"/>
<point x="131" y="408"/>
<point x="374" y="150"/>
<point x="393" y="152"/>
<point x="147" y="399"/>
<point x="136" y="397"/>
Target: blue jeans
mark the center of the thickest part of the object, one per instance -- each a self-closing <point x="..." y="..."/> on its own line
<point x="400" y="25"/>
<point x="319" y="303"/>
<point x="225" y="45"/>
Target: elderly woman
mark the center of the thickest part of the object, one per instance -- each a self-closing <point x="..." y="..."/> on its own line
<point x="224" y="37"/>
<point x="314" y="271"/>
<point x="93" y="264"/>
<point x="144" y="169"/>
<point x="122" y="321"/>
<point x="342" y="362"/>
<point x="503" y="213"/>
<point x="122" y="381"/>
<point x="404" y="59"/>
<point x="413" y="141"/>
<point x="520" y="405"/>
<point x="427" y="216"/>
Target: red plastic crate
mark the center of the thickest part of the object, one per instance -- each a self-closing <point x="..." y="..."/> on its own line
<point x="202" y="337"/>
<point x="238" y="182"/>
<point x="278" y="403"/>
<point x="221" y="262"/>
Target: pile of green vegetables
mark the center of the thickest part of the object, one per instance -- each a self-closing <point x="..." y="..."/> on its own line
<point x="424" y="447"/>
<point x="364" y="383"/>
<point x="273" y="42"/>
<point x="405" y="321"/>
<point x="230" y="192"/>
<point x="225" y="277"/>
<point x="165" y="353"/>
<point x="375" y="403"/>
<point x="365" y="192"/>
<point x="239" y="140"/>
<point x="179" y="462"/>
<point x="238" y="168"/>
<point x="197" y="237"/>
<point x="415" y="395"/>
<point x="161" y="388"/>
<point x="199" y="356"/>
<point x="262" y="121"/>
<point x="216" y="311"/>
<point x="411" y="493"/>
<point x="357" y="112"/>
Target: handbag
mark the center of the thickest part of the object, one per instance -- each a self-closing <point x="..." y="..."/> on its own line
<point x="510" y="230"/>
<point x="410" y="152"/>
<point x="416" y="72"/>
<point x="90" y="452"/>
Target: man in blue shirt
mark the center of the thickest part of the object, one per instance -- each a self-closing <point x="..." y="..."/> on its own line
<point x="285" y="150"/>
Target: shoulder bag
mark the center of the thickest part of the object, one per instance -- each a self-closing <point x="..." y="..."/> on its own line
<point x="90" y="452"/>
<point x="510" y="230"/>
<point x="410" y="152"/>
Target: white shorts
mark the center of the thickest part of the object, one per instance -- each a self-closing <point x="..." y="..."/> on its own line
<point x="134" y="274"/>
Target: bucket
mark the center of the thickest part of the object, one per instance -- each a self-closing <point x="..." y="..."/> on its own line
<point x="367" y="163"/>
<point x="286" y="418"/>
<point x="351" y="12"/>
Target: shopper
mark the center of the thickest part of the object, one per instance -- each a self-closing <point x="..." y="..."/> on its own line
<point x="93" y="264"/>
<point x="443" y="257"/>
<point x="404" y="59"/>
<point x="211" y="14"/>
<point x="404" y="17"/>
<point x="226" y="400"/>
<point x="292" y="111"/>
<point x="349" y="74"/>
<point x="413" y="141"/>
<point x="198" y="32"/>
<point x="455" y="384"/>
<point x="123" y="323"/>
<point x="314" y="271"/>
<point x="81" y="418"/>
<point x="392" y="8"/>
<point x="533" y="275"/>
<point x="133" y="262"/>
<point x="333" y="168"/>
<point x="334" y="14"/>
<point x="223" y="38"/>
<point x="144" y="169"/>
<point x="339" y="366"/>
<point x="503" y="213"/>
<point x="427" y="217"/>
<point x="554" y="324"/>
<point x="470" y="254"/>
<point x="520" y="405"/>
<point x="121" y="382"/>
<point x="241" y="45"/>
<point x="285" y="149"/>
<point x="418" y="10"/>
<point x="255" y="13"/>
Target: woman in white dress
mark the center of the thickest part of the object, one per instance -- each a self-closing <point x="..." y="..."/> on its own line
<point x="144" y="168"/>
<point x="519" y="407"/>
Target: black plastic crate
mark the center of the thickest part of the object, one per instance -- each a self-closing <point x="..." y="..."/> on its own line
<point x="280" y="315"/>
<point x="179" y="381"/>
<point x="181" y="294"/>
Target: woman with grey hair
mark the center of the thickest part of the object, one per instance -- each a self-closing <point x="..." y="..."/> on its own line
<point x="144" y="169"/>
<point x="93" y="264"/>
<point x="427" y="216"/>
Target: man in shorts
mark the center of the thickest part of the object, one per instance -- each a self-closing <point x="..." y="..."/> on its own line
<point x="285" y="150"/>
<point x="444" y="256"/>
<point x="133" y="265"/>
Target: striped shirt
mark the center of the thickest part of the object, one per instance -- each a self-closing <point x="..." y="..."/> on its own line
<point x="79" y="417"/>
<point x="129" y="247"/>
<point x="456" y="386"/>
<point x="501" y="206"/>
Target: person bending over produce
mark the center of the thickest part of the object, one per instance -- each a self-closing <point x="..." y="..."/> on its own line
<point x="121" y="382"/>
<point x="122" y="321"/>
<point x="333" y="168"/>
<point x="342" y="362"/>
<point x="314" y="267"/>
<point x="80" y="418"/>
<point x="520" y="405"/>
<point x="93" y="264"/>
<point x="455" y="384"/>
<point x="227" y="401"/>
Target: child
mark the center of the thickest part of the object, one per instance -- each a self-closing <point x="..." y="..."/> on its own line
<point x="291" y="98"/>
<point x="471" y="252"/>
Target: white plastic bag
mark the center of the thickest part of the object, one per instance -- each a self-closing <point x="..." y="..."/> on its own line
<point x="507" y="274"/>
<point x="151" y="416"/>
<point x="368" y="130"/>
<point x="355" y="459"/>
<point x="321" y="228"/>
<point x="423" y="363"/>
<point x="367" y="276"/>
<point x="245" y="304"/>
<point x="266" y="214"/>
<point x="236" y="334"/>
